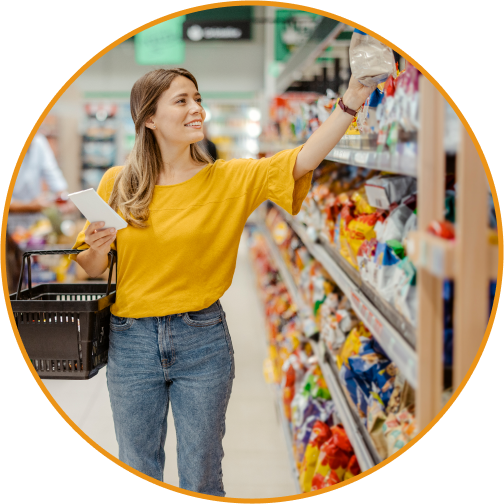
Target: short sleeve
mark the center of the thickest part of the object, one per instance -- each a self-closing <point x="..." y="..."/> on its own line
<point x="282" y="188"/>
<point x="104" y="191"/>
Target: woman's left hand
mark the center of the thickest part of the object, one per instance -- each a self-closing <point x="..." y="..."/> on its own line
<point x="356" y="94"/>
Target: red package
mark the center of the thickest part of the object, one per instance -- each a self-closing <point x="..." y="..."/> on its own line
<point x="442" y="229"/>
<point x="334" y="459"/>
<point x="390" y="86"/>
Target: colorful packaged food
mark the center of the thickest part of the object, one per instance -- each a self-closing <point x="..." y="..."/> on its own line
<point x="319" y="435"/>
<point x="334" y="459"/>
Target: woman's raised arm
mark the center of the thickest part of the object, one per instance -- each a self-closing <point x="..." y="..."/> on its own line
<point x="331" y="131"/>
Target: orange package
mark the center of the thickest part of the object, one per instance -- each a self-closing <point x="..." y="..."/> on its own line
<point x="334" y="459"/>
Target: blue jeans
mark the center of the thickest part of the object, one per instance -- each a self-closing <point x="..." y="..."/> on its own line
<point x="186" y="360"/>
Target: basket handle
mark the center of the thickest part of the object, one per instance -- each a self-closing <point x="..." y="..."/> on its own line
<point x="27" y="255"/>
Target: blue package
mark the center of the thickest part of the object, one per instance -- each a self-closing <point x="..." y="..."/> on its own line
<point x="376" y="98"/>
<point x="384" y="255"/>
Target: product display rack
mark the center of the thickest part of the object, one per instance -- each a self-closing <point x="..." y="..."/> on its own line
<point x="470" y="260"/>
<point x="357" y="434"/>
<point x="397" y="347"/>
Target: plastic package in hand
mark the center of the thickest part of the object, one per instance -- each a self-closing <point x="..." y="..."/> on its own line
<point x="370" y="60"/>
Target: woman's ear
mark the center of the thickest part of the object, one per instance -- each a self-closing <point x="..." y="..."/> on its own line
<point x="150" y="123"/>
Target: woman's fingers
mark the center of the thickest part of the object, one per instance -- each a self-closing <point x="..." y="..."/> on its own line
<point x="94" y="226"/>
<point x="97" y="235"/>
<point x="101" y="241"/>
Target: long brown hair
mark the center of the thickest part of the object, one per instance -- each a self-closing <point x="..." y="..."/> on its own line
<point x="134" y="185"/>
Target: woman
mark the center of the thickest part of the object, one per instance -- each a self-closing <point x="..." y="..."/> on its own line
<point x="169" y="342"/>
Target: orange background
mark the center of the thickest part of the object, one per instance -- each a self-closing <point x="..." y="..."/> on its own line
<point x="459" y="456"/>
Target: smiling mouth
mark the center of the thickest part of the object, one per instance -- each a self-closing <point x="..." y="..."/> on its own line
<point x="194" y="124"/>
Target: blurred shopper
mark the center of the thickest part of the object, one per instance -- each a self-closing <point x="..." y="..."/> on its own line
<point x="169" y="341"/>
<point x="28" y="200"/>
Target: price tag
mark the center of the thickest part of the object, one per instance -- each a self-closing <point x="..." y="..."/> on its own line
<point x="361" y="158"/>
<point x="342" y="155"/>
<point x="422" y="259"/>
<point x="437" y="261"/>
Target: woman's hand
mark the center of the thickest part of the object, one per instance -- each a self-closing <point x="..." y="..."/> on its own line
<point x="356" y="94"/>
<point x="99" y="240"/>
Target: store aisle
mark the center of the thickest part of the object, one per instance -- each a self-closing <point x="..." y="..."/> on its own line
<point x="256" y="463"/>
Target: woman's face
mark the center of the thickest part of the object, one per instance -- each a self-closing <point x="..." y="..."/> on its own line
<point x="179" y="115"/>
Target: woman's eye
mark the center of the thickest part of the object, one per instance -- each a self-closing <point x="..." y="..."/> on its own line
<point x="182" y="100"/>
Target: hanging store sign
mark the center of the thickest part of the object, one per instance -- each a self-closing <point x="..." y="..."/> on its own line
<point x="198" y="31"/>
<point x="161" y="44"/>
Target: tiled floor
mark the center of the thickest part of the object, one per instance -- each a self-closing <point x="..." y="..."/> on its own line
<point x="256" y="463"/>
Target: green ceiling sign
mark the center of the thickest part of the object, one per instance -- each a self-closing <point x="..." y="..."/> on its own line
<point x="292" y="29"/>
<point x="161" y="44"/>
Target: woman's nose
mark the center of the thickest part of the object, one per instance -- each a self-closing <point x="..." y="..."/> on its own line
<point x="196" y="107"/>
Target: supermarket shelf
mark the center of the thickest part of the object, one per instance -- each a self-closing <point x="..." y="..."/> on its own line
<point x="364" y="450"/>
<point x="365" y="453"/>
<point x="288" y="438"/>
<point x="399" y="322"/>
<point x="403" y="163"/>
<point x="282" y="268"/>
<point x="394" y="343"/>
<point x="400" y="162"/>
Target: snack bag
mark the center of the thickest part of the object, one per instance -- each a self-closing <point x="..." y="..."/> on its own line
<point x="386" y="262"/>
<point x="384" y="190"/>
<point x="319" y="410"/>
<point x="319" y="435"/>
<point x="399" y="430"/>
<point x="357" y="232"/>
<point x="353" y="468"/>
<point x="405" y="293"/>
<point x="365" y="259"/>
<point x="370" y="60"/>
<point x="393" y="226"/>
<point x="375" y="420"/>
<point x="334" y="459"/>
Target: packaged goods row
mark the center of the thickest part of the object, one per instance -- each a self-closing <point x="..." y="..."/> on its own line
<point x="383" y="135"/>
<point x="319" y="445"/>
<point x="357" y="360"/>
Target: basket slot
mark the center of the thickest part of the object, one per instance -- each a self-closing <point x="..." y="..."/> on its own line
<point x="75" y="366"/>
<point x="63" y="365"/>
<point x="36" y="364"/>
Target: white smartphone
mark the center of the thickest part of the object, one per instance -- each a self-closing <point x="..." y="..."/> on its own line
<point x="96" y="210"/>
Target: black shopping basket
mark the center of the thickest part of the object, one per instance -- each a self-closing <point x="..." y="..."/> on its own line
<point x="64" y="327"/>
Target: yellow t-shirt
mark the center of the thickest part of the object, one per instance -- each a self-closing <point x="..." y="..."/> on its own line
<point x="185" y="259"/>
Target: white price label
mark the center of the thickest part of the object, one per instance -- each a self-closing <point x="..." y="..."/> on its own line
<point x="342" y="155"/>
<point x="437" y="261"/>
<point x="361" y="158"/>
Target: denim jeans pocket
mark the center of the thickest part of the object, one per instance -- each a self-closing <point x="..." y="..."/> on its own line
<point x="120" y="323"/>
<point x="204" y="318"/>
